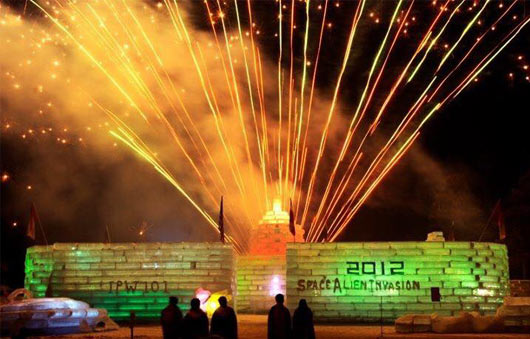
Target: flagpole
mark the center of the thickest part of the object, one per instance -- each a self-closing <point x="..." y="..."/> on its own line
<point x="497" y="205"/>
<point x="221" y="222"/>
<point x="108" y="233"/>
<point x="292" y="226"/>
<point x="40" y="224"/>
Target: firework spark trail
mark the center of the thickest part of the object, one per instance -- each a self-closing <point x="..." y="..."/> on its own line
<point x="92" y="58"/>
<point x="290" y="98"/>
<point x="322" y="226"/>
<point x="377" y="160"/>
<point x="266" y="153"/>
<point x="477" y="42"/>
<point x="355" y="121"/>
<point x="238" y="101"/>
<point x="291" y="88"/>
<point x="175" y="92"/>
<point x="160" y="115"/>
<point x="236" y="173"/>
<point x="213" y="198"/>
<point x="341" y="221"/>
<point x="210" y="195"/>
<point x="387" y="169"/>
<point x="373" y="166"/>
<point x="216" y="115"/>
<point x="260" y="90"/>
<point x="132" y="140"/>
<point x="405" y="70"/>
<point x="343" y="184"/>
<point x="149" y="88"/>
<point x="235" y="85"/>
<point x="488" y="59"/>
<point x="300" y="173"/>
<point x="304" y="71"/>
<point x="339" y="227"/>
<point x="356" y="19"/>
<point x="339" y="224"/>
<point x="374" y="87"/>
<point x="165" y="91"/>
<point x="464" y="32"/>
<point x="434" y="40"/>
<point x="280" y="54"/>
<point x="246" y="213"/>
<point x="221" y="55"/>
<point x="114" y="81"/>
<point x="250" y="93"/>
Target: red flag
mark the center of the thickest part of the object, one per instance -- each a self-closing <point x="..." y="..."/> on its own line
<point x="33" y="220"/>
<point x="500" y="224"/>
<point x="221" y="223"/>
<point x="30" y="232"/>
<point x="292" y="228"/>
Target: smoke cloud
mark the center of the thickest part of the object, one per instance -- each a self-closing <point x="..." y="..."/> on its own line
<point x="179" y="96"/>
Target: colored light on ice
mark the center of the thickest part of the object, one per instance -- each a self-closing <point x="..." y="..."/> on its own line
<point x="275" y="286"/>
<point x="211" y="306"/>
<point x="203" y="296"/>
<point x="276" y="215"/>
<point x="484" y="292"/>
<point x="277" y="205"/>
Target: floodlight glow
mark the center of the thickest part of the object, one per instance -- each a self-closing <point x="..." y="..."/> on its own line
<point x="275" y="286"/>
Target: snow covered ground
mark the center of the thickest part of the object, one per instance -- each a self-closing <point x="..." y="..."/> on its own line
<point x="255" y="327"/>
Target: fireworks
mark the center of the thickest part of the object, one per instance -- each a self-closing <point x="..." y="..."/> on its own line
<point x="227" y="119"/>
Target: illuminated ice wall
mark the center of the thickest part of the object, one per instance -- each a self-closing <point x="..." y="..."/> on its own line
<point x="340" y="281"/>
<point x="129" y="277"/>
<point x="367" y="281"/>
<point x="259" y="279"/>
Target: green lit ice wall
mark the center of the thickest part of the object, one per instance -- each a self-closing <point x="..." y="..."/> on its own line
<point x="367" y="281"/>
<point x="129" y="277"/>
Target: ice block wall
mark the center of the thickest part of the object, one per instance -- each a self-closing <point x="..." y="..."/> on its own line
<point x="129" y="277"/>
<point x="370" y="281"/>
<point x="259" y="279"/>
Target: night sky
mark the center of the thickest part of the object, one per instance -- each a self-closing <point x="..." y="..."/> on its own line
<point x="473" y="153"/>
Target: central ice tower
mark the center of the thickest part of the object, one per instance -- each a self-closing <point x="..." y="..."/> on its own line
<point x="272" y="233"/>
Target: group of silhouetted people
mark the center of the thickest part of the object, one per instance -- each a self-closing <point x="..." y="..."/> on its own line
<point x="195" y="323"/>
<point x="279" y="321"/>
<point x="224" y="321"/>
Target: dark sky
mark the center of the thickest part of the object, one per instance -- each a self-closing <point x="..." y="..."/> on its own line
<point x="471" y="154"/>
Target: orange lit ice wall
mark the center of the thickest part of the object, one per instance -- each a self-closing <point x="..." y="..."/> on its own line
<point x="261" y="274"/>
<point x="272" y="233"/>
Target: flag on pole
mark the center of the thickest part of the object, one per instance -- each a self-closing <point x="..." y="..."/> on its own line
<point x="500" y="224"/>
<point x="292" y="228"/>
<point x="221" y="223"/>
<point x="33" y="220"/>
<point x="30" y="232"/>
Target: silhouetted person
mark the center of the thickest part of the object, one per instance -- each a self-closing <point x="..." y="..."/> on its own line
<point x="303" y="322"/>
<point x="224" y="321"/>
<point x="195" y="321"/>
<point x="279" y="322"/>
<point x="171" y="320"/>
